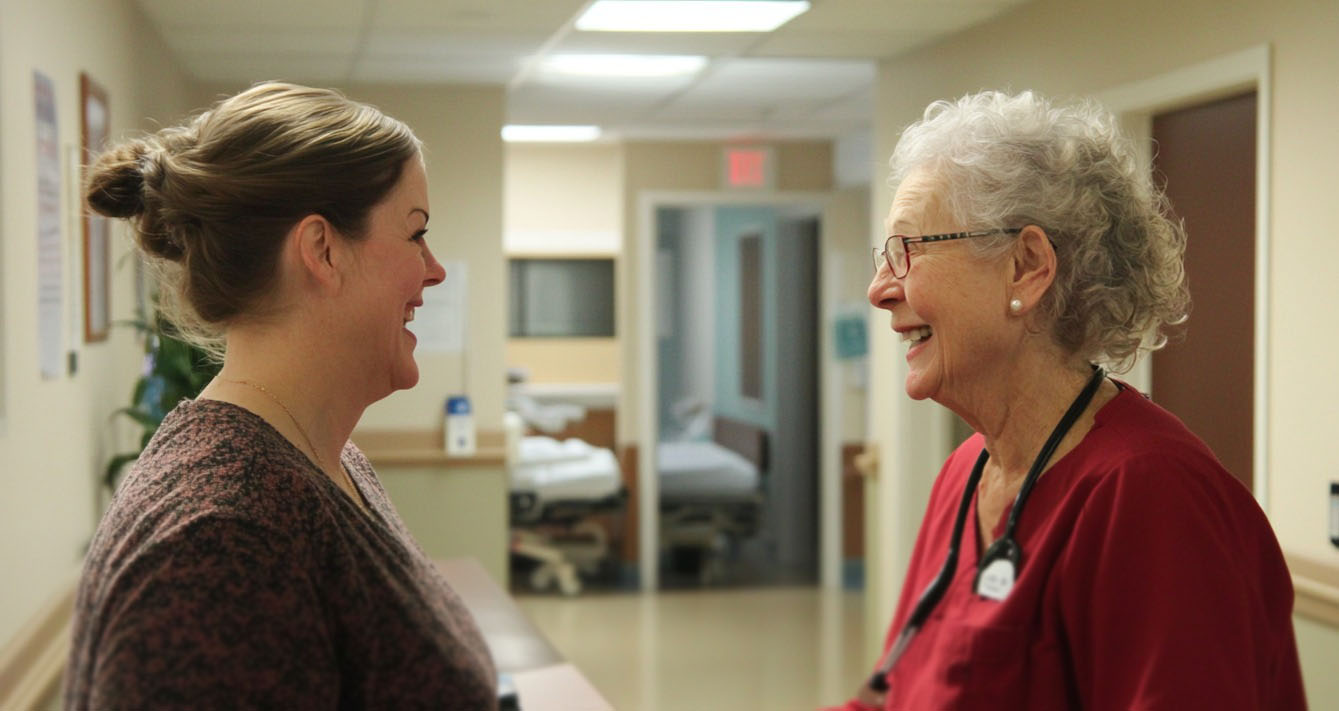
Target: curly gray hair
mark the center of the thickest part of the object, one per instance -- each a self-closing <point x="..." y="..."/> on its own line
<point x="1011" y="160"/>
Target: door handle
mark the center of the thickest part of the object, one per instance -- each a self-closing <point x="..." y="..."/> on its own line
<point x="867" y="462"/>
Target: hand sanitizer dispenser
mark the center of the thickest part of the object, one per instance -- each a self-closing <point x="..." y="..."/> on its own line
<point x="459" y="427"/>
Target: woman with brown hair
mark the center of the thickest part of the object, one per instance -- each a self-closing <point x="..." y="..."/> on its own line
<point x="251" y="559"/>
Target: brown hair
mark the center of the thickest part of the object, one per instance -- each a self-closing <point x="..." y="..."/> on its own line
<point x="213" y="199"/>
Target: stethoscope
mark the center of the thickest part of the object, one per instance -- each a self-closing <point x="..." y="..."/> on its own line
<point x="999" y="565"/>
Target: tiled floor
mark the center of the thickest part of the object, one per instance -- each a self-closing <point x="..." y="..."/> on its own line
<point x="709" y="650"/>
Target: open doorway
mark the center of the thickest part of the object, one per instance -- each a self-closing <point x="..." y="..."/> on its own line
<point x="737" y="337"/>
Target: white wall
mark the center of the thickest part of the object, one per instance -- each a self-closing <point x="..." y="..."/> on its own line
<point x="1062" y="47"/>
<point x="57" y="435"/>
<point x="697" y="304"/>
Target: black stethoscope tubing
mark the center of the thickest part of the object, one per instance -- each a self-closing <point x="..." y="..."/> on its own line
<point x="1006" y="546"/>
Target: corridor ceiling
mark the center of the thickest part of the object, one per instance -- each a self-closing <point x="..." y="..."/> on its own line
<point x="811" y="78"/>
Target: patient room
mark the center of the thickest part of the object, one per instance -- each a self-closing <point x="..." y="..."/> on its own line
<point x="660" y="443"/>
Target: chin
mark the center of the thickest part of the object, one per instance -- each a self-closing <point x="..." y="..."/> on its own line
<point x="917" y="388"/>
<point x="406" y="381"/>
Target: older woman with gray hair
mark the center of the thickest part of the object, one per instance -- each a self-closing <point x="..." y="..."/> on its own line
<point x="1111" y="562"/>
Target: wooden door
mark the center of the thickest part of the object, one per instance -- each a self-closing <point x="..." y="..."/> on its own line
<point x="1205" y="157"/>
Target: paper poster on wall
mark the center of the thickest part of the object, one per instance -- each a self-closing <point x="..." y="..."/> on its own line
<point x="439" y="324"/>
<point x="50" y="263"/>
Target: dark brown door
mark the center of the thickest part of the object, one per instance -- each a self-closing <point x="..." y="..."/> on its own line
<point x="1206" y="156"/>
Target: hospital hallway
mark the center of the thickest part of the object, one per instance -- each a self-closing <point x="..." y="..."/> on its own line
<point x="711" y="649"/>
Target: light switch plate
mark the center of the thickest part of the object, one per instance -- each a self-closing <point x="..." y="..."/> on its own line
<point x="1334" y="513"/>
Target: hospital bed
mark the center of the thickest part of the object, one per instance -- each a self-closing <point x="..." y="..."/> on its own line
<point x="711" y="495"/>
<point x="556" y="488"/>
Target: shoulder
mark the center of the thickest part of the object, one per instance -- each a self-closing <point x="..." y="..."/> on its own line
<point x="213" y="465"/>
<point x="218" y="455"/>
<point x="1142" y="472"/>
<point x="1135" y="443"/>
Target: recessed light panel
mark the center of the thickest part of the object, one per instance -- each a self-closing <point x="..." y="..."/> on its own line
<point x="549" y="134"/>
<point x="689" y="15"/>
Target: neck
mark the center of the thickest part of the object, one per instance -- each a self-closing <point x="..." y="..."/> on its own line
<point x="288" y="379"/>
<point x="1019" y="410"/>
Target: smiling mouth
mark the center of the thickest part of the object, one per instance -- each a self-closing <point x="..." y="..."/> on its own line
<point x="916" y="336"/>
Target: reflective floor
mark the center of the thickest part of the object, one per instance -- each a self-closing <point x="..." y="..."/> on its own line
<point x="703" y="650"/>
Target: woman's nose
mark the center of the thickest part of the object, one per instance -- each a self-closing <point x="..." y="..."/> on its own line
<point x="436" y="273"/>
<point x="884" y="289"/>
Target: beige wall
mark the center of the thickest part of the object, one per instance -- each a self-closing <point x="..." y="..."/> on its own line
<point x="650" y="166"/>
<point x="846" y="274"/>
<point x="558" y="188"/>
<point x="56" y="434"/>
<point x="570" y="361"/>
<point x="1083" y="47"/>
<point x="561" y="195"/>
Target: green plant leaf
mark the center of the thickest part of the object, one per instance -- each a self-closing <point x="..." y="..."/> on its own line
<point x="145" y="419"/>
<point x="177" y="371"/>
<point x="113" y="471"/>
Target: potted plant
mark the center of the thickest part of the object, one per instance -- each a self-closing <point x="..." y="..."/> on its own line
<point x="174" y="370"/>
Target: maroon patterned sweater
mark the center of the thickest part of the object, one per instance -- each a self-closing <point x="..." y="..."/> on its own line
<point x="230" y="573"/>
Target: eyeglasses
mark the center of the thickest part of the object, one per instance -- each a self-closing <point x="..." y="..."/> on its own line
<point x="898" y="259"/>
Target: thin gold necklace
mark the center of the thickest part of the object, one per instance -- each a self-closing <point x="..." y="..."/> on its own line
<point x="353" y="490"/>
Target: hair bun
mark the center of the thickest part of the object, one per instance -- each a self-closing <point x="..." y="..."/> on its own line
<point x="116" y="180"/>
<point x="119" y="185"/>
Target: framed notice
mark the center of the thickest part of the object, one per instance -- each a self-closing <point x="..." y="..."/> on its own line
<point x="50" y="251"/>
<point x="94" y="119"/>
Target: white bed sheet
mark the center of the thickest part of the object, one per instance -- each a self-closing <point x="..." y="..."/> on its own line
<point x="571" y="470"/>
<point x="703" y="470"/>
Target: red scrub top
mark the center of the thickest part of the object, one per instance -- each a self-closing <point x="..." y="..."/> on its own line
<point x="1150" y="580"/>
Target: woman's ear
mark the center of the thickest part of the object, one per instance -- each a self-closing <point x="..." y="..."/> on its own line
<point x="315" y="248"/>
<point x="315" y="244"/>
<point x="1034" y="268"/>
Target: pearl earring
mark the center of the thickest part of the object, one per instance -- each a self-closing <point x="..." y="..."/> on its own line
<point x="1015" y="305"/>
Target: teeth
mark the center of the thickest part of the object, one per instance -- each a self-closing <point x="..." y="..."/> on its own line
<point x="916" y="335"/>
<point x="409" y="316"/>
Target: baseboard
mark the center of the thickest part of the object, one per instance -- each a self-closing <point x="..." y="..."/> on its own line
<point x="32" y="662"/>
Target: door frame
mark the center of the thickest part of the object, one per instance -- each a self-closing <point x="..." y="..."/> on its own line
<point x="1136" y="103"/>
<point x="647" y="424"/>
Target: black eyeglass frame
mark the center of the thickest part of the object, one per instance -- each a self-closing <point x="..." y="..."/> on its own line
<point x="888" y="258"/>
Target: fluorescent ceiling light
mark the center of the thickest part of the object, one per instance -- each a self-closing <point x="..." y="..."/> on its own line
<point x="689" y="15"/>
<point x="549" y="134"/>
<point x="623" y="65"/>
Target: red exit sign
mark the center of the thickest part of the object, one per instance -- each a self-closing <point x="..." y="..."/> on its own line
<point x="752" y="168"/>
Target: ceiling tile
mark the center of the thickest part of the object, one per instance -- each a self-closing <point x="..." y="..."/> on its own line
<point x="221" y="39"/>
<point x="840" y="45"/>
<point x="451" y="70"/>
<point x="709" y="43"/>
<point x="551" y="104"/>
<point x="307" y="14"/>
<point x="436" y="43"/>
<point x="251" y="67"/>
<point x="537" y="15"/>
<point x="813" y="75"/>
<point x="904" y="15"/>
<point x="781" y="79"/>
